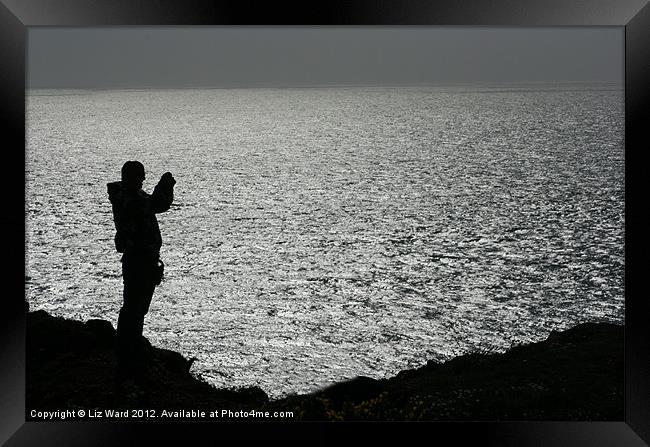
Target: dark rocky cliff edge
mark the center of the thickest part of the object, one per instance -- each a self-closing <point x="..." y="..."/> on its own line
<point x="573" y="375"/>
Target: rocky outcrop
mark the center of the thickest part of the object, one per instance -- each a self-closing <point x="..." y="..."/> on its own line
<point x="573" y="375"/>
<point x="576" y="374"/>
<point x="71" y="365"/>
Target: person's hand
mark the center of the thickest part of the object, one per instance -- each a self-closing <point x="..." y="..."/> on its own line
<point x="168" y="178"/>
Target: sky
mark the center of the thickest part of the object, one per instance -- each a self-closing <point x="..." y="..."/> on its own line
<point x="224" y="57"/>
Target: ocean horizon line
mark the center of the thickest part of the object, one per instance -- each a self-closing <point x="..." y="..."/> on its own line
<point x="509" y="86"/>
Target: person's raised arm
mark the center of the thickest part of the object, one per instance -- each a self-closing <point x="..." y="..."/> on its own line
<point x="163" y="193"/>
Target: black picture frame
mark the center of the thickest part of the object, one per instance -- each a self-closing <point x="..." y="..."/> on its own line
<point x="16" y="16"/>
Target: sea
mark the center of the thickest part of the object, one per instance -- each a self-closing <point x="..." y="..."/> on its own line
<point x="318" y="234"/>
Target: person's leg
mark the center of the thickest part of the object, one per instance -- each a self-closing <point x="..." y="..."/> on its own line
<point x="130" y="320"/>
<point x="139" y="287"/>
<point x="145" y="296"/>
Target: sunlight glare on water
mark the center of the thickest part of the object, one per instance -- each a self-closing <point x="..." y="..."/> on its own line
<point x="321" y="234"/>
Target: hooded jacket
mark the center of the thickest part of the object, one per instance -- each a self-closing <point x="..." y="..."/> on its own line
<point x="134" y="214"/>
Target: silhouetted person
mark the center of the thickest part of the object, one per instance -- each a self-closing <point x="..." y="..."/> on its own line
<point x="138" y="238"/>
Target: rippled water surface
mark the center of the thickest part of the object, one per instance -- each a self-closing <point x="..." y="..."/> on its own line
<point x="320" y="234"/>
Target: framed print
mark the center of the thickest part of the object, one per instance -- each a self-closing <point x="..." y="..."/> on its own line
<point x="350" y="212"/>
